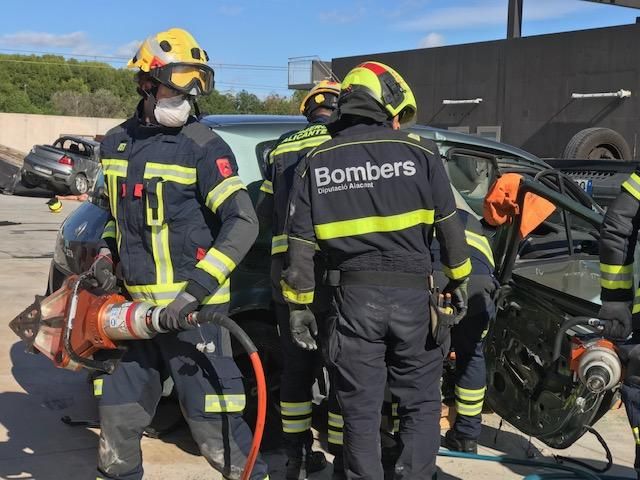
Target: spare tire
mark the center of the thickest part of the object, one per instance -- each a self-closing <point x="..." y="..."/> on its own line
<point x="597" y="144"/>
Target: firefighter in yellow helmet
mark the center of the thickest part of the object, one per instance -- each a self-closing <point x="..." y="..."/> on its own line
<point x="369" y="199"/>
<point x="181" y="221"/>
<point x="299" y="366"/>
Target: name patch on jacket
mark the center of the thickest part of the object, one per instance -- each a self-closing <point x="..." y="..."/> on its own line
<point x="337" y="179"/>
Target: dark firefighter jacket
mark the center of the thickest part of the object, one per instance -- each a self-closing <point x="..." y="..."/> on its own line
<point x="181" y="216"/>
<point x="480" y="253"/>
<point x="283" y="161"/>
<point x="618" y="236"/>
<point x="370" y="198"/>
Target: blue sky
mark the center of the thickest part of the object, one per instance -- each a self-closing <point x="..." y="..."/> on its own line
<point x="242" y="34"/>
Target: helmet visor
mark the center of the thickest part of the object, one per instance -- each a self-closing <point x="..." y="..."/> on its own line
<point x="189" y="79"/>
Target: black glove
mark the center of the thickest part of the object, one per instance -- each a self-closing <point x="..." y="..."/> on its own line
<point x="303" y="326"/>
<point x="617" y="319"/>
<point x="459" y="297"/>
<point x="102" y="271"/>
<point x="174" y="316"/>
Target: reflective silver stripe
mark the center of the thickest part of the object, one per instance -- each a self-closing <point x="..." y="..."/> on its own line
<point x="217" y="264"/>
<point x="335" y="420"/>
<point x="222" y="191"/>
<point x="163" y="294"/>
<point x="336" y="438"/>
<point x="172" y="173"/>
<point x="114" y="167"/>
<point x="279" y="244"/>
<point x="618" y="277"/>
<point x="267" y="187"/>
<point x="296" y="426"/>
<point x="295" y="408"/>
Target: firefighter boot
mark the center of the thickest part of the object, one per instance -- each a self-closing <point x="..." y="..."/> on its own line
<point x="453" y="441"/>
<point x="303" y="462"/>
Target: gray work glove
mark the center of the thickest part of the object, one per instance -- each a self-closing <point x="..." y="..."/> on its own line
<point x="174" y="316"/>
<point x="617" y="319"/>
<point x="303" y="326"/>
<point x="459" y="298"/>
<point x="102" y="271"/>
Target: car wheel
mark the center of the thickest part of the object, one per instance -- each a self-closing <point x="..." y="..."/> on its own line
<point x="597" y="144"/>
<point x="79" y="184"/>
<point x="27" y="182"/>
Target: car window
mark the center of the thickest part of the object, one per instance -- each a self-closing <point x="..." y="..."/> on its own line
<point x="471" y="175"/>
<point x="99" y="195"/>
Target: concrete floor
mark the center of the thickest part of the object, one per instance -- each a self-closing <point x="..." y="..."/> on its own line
<point x="35" y="444"/>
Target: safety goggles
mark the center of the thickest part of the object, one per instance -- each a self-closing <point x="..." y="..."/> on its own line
<point x="188" y="78"/>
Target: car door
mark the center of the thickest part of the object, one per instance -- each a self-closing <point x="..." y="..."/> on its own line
<point x="547" y="279"/>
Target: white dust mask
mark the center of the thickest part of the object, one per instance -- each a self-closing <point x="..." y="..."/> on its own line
<point x="172" y="111"/>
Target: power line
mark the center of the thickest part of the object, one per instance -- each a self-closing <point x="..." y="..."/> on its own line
<point x="124" y="60"/>
<point x="106" y="67"/>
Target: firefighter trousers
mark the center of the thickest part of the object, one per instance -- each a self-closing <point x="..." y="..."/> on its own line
<point x="630" y="354"/>
<point x="210" y="392"/>
<point x="467" y="340"/>
<point x="299" y="371"/>
<point x="380" y="335"/>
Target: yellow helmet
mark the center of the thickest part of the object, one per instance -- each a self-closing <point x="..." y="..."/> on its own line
<point x="316" y="97"/>
<point x="387" y="88"/>
<point x="55" y="205"/>
<point x="175" y="59"/>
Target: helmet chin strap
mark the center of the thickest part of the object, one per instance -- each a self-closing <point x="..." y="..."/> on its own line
<point x="150" y="102"/>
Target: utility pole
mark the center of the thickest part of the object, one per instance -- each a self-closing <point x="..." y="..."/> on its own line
<point x="514" y="25"/>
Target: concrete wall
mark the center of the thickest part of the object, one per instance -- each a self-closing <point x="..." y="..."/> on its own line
<point x="21" y="131"/>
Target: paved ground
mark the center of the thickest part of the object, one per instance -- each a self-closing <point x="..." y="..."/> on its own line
<point x="35" y="444"/>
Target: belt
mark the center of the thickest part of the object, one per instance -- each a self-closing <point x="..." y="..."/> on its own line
<point x="336" y="278"/>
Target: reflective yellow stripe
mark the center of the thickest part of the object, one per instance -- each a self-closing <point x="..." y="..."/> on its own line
<point x="109" y="230"/>
<point x="97" y="387"/>
<point x="295" y="408"/>
<point x="222" y="191"/>
<point x="217" y="264"/>
<point x="279" y="244"/>
<point x="171" y="173"/>
<point x="267" y="187"/>
<point x="615" y="277"/>
<point x="296" y="426"/>
<point x="161" y="254"/>
<point x="299" y="145"/>
<point x="480" y="243"/>
<point x="335" y="437"/>
<point x="468" y="410"/>
<point x="632" y="185"/>
<point x="458" y="272"/>
<point x="224" y="403"/>
<point x="321" y="150"/>
<point x="335" y="420"/>
<point x="394" y="409"/>
<point x="636" y="435"/>
<point x="114" y="167"/>
<point x="293" y="296"/>
<point x="469" y="395"/>
<point x="636" y="302"/>
<point x="163" y="294"/>
<point x="362" y="226"/>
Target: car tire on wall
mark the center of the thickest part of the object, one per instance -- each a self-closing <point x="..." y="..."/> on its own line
<point x="597" y="143"/>
<point x="79" y="184"/>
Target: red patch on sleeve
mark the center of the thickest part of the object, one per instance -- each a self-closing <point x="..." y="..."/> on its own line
<point x="200" y="253"/>
<point x="224" y="167"/>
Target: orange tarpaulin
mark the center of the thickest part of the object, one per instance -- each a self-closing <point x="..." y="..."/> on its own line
<point x="500" y="205"/>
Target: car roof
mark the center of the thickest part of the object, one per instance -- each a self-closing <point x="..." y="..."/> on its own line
<point x="438" y="135"/>
<point x="80" y="139"/>
<point x="223" y="120"/>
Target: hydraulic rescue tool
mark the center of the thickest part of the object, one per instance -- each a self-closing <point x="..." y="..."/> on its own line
<point x="74" y="322"/>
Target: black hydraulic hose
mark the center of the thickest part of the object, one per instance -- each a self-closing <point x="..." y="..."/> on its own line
<point x="107" y="366"/>
<point x="572" y="322"/>
<point x="607" y="452"/>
